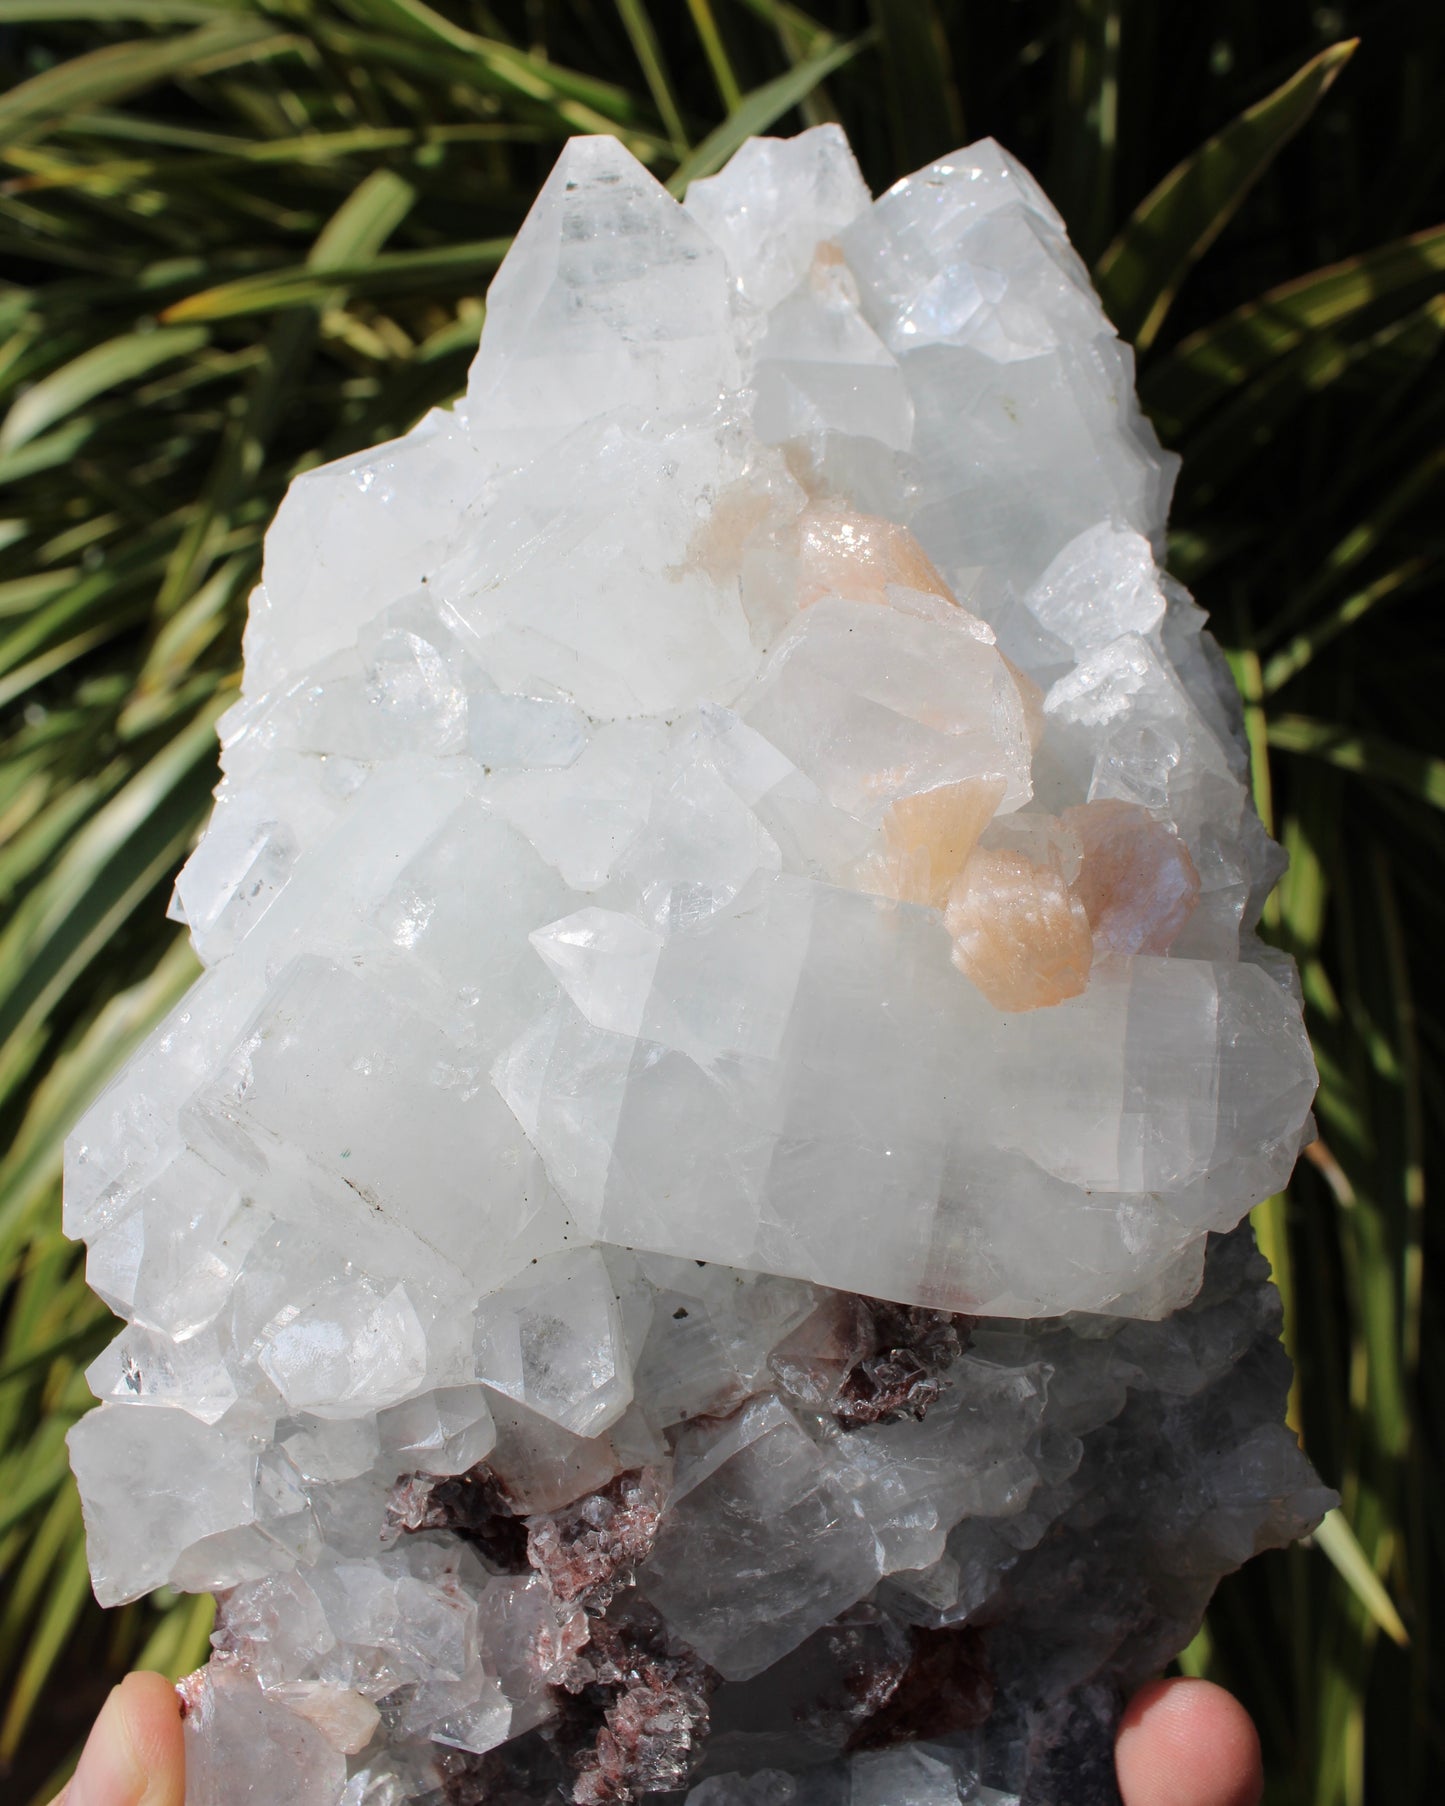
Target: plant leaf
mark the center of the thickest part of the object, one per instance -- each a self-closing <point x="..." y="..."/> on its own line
<point x="716" y="53"/>
<point x="923" y="103"/>
<point x="92" y="373"/>
<point x="799" y="32"/>
<point x="305" y="286"/>
<point x="363" y="222"/>
<point x="1139" y="275"/>
<point x="117" y="71"/>
<point x="33" y="1160"/>
<point x="1082" y="169"/>
<point x="44" y="454"/>
<point x="764" y="107"/>
<point x="65" y="1598"/>
<point x="1342" y="1546"/>
<point x="598" y="102"/>
<point x="139" y="12"/>
<point x="114" y="861"/>
<point x="1416" y="773"/>
<point x="659" y="84"/>
<point x="1306" y="646"/>
<point x="1209" y="365"/>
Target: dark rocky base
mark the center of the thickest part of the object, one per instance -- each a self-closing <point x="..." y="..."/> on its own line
<point x="998" y="1673"/>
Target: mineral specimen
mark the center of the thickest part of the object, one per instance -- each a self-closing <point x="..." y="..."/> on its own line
<point x="685" y="1245"/>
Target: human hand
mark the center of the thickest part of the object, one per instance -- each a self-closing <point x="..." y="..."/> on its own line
<point x="1182" y="1743"/>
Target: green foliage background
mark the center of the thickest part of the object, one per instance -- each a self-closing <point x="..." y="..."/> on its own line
<point x="239" y="237"/>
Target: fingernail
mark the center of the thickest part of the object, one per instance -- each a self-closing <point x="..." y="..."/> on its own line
<point x="108" y="1774"/>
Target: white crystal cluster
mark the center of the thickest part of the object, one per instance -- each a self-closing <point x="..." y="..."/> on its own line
<point x="734" y="863"/>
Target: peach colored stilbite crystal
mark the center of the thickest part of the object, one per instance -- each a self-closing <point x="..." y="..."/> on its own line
<point x="931" y="834"/>
<point x="718" y="545"/>
<point x="857" y="557"/>
<point x="1136" y="881"/>
<point x="1018" y="932"/>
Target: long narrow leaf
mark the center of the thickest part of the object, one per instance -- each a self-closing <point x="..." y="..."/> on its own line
<point x="649" y="55"/>
<point x="119" y="70"/>
<point x="34" y="1158"/>
<point x="1305" y="647"/>
<point x="93" y="373"/>
<point x="923" y="102"/>
<point x="764" y="107"/>
<point x="1416" y="773"/>
<point x="716" y="53"/>
<point x="1342" y="1546"/>
<point x="134" y="12"/>
<point x="1210" y="364"/>
<point x="1172" y="227"/>
<point x="364" y="221"/>
<point x="305" y="287"/>
<point x="525" y="74"/>
<point x="107" y="868"/>
<point x="63" y="1605"/>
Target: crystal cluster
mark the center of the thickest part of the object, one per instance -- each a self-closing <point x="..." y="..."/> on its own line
<point x="684" y="1247"/>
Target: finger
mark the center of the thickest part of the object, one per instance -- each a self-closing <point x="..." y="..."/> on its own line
<point x="1188" y="1743"/>
<point x="134" y="1755"/>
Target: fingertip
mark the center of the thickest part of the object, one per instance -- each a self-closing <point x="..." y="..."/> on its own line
<point x="153" y="1718"/>
<point x="1188" y="1743"/>
<point x="134" y="1755"/>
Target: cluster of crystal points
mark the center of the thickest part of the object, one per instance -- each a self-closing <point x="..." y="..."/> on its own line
<point x="733" y="1021"/>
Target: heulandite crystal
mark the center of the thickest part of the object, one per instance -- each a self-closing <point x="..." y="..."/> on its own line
<point x="685" y="1245"/>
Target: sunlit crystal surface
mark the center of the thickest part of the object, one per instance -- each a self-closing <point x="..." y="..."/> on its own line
<point x="684" y="1246"/>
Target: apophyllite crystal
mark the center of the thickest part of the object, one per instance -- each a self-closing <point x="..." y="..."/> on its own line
<point x="685" y="1245"/>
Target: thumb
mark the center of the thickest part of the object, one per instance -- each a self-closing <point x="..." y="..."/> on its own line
<point x="134" y="1755"/>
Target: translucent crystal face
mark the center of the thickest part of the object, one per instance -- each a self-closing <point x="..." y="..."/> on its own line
<point x="733" y="864"/>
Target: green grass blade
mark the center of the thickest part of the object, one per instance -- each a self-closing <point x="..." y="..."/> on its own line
<point x="1366" y="536"/>
<point x="107" y="589"/>
<point x="129" y="12"/>
<point x="924" y="108"/>
<point x="311" y="151"/>
<point x="304" y="286"/>
<point x="44" y="454"/>
<point x="21" y="1366"/>
<point x="67" y="1594"/>
<point x="763" y="108"/>
<point x="1140" y="273"/>
<point x="1392" y="361"/>
<point x="1354" y="1567"/>
<point x="117" y="71"/>
<point x="799" y="32"/>
<point x="113" y="862"/>
<point x="1085" y="157"/>
<point x="659" y="84"/>
<point x="715" y="51"/>
<point x="41" y="831"/>
<point x="1301" y="651"/>
<point x="586" y="102"/>
<point x="364" y="221"/>
<point x="94" y="372"/>
<point x="33" y="1160"/>
<point x="182" y="1639"/>
<point x="1208" y="366"/>
<point x="37" y="1479"/>
<point x="1417" y="774"/>
<point x="24" y="678"/>
<point x="28" y="1586"/>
